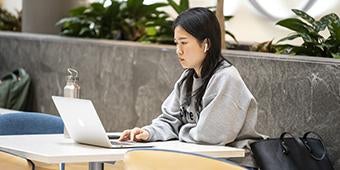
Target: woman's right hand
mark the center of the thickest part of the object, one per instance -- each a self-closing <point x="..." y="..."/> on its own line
<point x="136" y="134"/>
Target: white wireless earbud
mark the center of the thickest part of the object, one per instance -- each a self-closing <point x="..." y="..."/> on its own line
<point x="205" y="47"/>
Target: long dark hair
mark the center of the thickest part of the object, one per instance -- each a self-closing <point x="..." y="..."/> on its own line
<point x="203" y="25"/>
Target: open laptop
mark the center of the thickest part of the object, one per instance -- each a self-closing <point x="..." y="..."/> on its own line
<point x="84" y="126"/>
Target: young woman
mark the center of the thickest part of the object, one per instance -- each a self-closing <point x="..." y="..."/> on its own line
<point x="210" y="103"/>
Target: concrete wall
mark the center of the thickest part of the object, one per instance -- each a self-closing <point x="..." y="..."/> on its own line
<point x="128" y="81"/>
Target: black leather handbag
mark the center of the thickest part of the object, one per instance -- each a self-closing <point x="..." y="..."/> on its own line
<point x="291" y="153"/>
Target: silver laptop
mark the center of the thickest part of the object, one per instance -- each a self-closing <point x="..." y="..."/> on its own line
<point x="84" y="126"/>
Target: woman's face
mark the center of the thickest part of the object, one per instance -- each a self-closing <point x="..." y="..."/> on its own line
<point x="190" y="51"/>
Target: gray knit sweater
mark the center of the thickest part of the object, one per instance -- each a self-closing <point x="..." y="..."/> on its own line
<point x="228" y="115"/>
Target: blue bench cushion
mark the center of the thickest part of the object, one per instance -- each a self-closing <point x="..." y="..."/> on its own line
<point x="30" y="123"/>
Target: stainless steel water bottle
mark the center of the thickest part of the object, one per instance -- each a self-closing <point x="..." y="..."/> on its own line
<point x="71" y="89"/>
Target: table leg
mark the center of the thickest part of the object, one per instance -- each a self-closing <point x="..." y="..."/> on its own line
<point x="61" y="166"/>
<point x="96" y="165"/>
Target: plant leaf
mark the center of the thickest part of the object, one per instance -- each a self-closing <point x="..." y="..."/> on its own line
<point x="290" y="37"/>
<point x="134" y="4"/>
<point x="322" y="23"/>
<point x="334" y="26"/>
<point x="311" y="49"/>
<point x="307" y="32"/>
<point x="83" y="31"/>
<point x="151" y="31"/>
<point x="97" y="7"/>
<point x="284" y="48"/>
<point x="336" y="55"/>
<point x="231" y="35"/>
<point x="294" y="24"/>
<point x="228" y="17"/>
<point x="67" y="33"/>
<point x="308" y="38"/>
<point x="184" y="4"/>
<point x="77" y="11"/>
<point x="153" y="7"/>
<point x="68" y="20"/>
<point x="113" y="10"/>
<point x="304" y="16"/>
<point x="174" y="5"/>
<point x="314" y="44"/>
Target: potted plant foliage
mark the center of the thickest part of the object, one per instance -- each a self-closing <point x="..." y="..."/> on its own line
<point x="307" y="28"/>
<point x="124" y="20"/>
<point x="9" y="22"/>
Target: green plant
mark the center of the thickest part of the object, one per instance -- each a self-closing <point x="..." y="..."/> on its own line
<point x="180" y="7"/>
<point x="94" y="21"/>
<point x="145" y="23"/>
<point x="9" y="22"/>
<point x="308" y="29"/>
<point x="126" y="20"/>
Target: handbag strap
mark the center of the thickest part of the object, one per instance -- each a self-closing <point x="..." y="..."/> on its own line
<point x="305" y="142"/>
<point x="285" y="149"/>
<point x="10" y="76"/>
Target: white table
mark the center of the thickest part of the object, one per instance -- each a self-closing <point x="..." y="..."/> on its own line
<point x="5" y="111"/>
<point x="57" y="149"/>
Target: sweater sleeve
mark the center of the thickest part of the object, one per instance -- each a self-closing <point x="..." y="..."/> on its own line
<point x="224" y="108"/>
<point x="166" y="126"/>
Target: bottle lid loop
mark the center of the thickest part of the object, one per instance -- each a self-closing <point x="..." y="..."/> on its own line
<point x="73" y="72"/>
